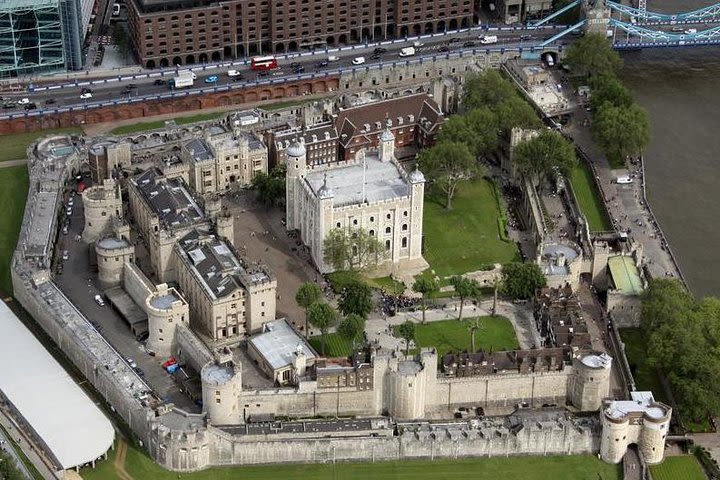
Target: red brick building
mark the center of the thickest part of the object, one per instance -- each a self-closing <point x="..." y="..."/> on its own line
<point x="165" y="33"/>
<point x="415" y="121"/>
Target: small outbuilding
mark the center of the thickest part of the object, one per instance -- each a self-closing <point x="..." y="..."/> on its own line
<point x="281" y="353"/>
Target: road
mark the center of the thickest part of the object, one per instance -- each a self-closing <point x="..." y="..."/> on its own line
<point x="68" y="94"/>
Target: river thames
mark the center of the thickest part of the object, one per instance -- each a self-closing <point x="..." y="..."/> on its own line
<point x="680" y="89"/>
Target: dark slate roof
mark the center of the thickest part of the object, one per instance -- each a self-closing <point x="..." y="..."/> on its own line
<point x="168" y="198"/>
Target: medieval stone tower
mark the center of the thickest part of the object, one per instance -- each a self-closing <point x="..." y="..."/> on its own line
<point x="166" y="309"/>
<point x="102" y="203"/>
<point x="296" y="170"/>
<point x="221" y="386"/>
<point x="590" y="381"/>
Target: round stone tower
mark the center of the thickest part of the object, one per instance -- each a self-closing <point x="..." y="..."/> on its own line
<point x="111" y="256"/>
<point x="221" y="385"/>
<point x="101" y="203"/>
<point x="166" y="309"/>
<point x="615" y="430"/>
<point x="655" y="426"/>
<point x="591" y="381"/>
<point x="296" y="170"/>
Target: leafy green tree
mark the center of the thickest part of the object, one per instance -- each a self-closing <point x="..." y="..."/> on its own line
<point x="473" y="326"/>
<point x="425" y="286"/>
<point x="406" y="331"/>
<point x="357" y="299"/>
<point x="521" y="280"/>
<point x="307" y="294"/>
<point x="352" y="328"/>
<point x="486" y="126"/>
<point x="446" y="165"/>
<point x="663" y="303"/>
<point x="464" y="288"/>
<point x="593" y="56"/>
<point x="610" y="90"/>
<point x="8" y="468"/>
<point x="487" y="89"/>
<point x="541" y="156"/>
<point x="270" y="187"/>
<point x="621" y="131"/>
<point x="322" y="316"/>
<point x="516" y="112"/>
<point x="353" y="249"/>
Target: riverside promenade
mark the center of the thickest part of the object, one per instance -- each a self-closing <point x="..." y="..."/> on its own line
<point x="627" y="204"/>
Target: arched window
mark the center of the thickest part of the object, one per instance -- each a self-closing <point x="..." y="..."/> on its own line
<point x="387" y="230"/>
<point x="404" y="242"/>
<point x="372" y="233"/>
<point x="387" y="244"/>
<point x="404" y="227"/>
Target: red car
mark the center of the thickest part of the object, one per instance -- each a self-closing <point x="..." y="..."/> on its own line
<point x="172" y="361"/>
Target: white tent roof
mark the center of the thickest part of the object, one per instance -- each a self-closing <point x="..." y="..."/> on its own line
<point x="72" y="427"/>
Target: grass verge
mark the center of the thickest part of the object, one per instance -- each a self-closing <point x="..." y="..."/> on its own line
<point x="496" y="333"/>
<point x="141" y="127"/>
<point x="340" y="280"/>
<point x="685" y="467"/>
<point x="588" y="197"/>
<point x="335" y="345"/>
<point x="466" y="238"/>
<point x="576" y="467"/>
<point x="13" y="192"/>
<point x="14" y="147"/>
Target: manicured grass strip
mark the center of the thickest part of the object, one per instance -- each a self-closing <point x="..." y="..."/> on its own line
<point x="13" y="192"/>
<point x="496" y="333"/>
<point x="390" y="285"/>
<point x="589" y="199"/>
<point x="335" y="345"/>
<point x="141" y="127"/>
<point x="685" y="467"/>
<point x="579" y="467"/>
<point x="466" y="238"/>
<point x="14" y="147"/>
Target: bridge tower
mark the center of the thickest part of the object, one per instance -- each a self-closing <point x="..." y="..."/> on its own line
<point x="597" y="15"/>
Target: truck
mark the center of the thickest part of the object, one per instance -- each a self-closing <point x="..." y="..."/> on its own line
<point x="488" y="39"/>
<point x="407" y="52"/>
<point x="184" y="79"/>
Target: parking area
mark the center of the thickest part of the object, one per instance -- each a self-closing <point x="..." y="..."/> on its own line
<point x="79" y="282"/>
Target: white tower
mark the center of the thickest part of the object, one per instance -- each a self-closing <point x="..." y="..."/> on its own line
<point x="386" y="148"/>
<point x="296" y="169"/>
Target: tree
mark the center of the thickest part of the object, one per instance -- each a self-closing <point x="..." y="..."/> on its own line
<point x="486" y="127"/>
<point x="474" y="325"/>
<point x="521" y="280"/>
<point x="322" y="316"/>
<point x="307" y="294"/>
<point x="270" y="188"/>
<point x="621" y="131"/>
<point x="8" y="468"/>
<point x="593" y="56"/>
<point x="446" y="165"/>
<point x="406" y="331"/>
<point x="425" y="286"/>
<point x="487" y="89"/>
<point x="353" y="249"/>
<point x="516" y="112"/>
<point x="357" y="299"/>
<point x="610" y="90"/>
<point x="464" y="288"/>
<point x="351" y="328"/>
<point x="543" y="155"/>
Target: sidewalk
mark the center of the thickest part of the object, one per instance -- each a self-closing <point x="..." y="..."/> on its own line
<point x="28" y="449"/>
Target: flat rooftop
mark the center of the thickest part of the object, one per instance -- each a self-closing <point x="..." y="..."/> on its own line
<point x="43" y="215"/>
<point x="382" y="180"/>
<point x="72" y="427"/>
<point x="641" y="403"/>
<point x="306" y="426"/>
<point x="279" y="343"/>
<point x="625" y="275"/>
<point x="165" y="301"/>
<point x="168" y="198"/>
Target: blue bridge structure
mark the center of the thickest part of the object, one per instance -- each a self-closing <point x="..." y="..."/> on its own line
<point x="632" y="28"/>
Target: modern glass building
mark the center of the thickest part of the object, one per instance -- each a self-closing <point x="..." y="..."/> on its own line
<point x="41" y="36"/>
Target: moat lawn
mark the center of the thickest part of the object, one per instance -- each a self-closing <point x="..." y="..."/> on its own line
<point x="685" y="467"/>
<point x="14" y="147"/>
<point x="155" y="124"/>
<point x="496" y="333"/>
<point x="588" y="197"/>
<point x="335" y="345"/>
<point x="646" y="377"/>
<point x="581" y="467"/>
<point x="13" y="191"/>
<point x="466" y="238"/>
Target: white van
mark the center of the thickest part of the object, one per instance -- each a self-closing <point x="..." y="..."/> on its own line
<point x="333" y="58"/>
<point x="623" y="180"/>
<point x="407" y="52"/>
<point x="358" y="60"/>
<point x="690" y="31"/>
<point x="488" y="39"/>
<point x="99" y="300"/>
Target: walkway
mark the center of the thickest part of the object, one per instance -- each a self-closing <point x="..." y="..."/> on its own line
<point x="379" y="330"/>
<point x="7" y="446"/>
<point x="27" y="448"/>
<point x="12" y="163"/>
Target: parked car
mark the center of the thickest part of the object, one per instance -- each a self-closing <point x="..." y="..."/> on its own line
<point x="99" y="300"/>
<point x="211" y="79"/>
<point x="65" y="255"/>
<point x="131" y="362"/>
<point x="234" y="73"/>
<point x="139" y="371"/>
<point x="65" y="230"/>
<point x="85" y="96"/>
<point x="358" y="60"/>
<point x="380" y="50"/>
<point x="23" y="101"/>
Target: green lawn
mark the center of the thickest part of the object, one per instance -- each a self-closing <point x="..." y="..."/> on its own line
<point x="496" y="333"/>
<point x="646" y="377"/>
<point x="13" y="147"/>
<point x="140" y="127"/>
<point x="685" y="467"/>
<point x="466" y="238"/>
<point x="585" y="467"/>
<point x="339" y="280"/>
<point x="589" y="199"/>
<point x="335" y="345"/>
<point x="389" y="284"/>
<point x="13" y="191"/>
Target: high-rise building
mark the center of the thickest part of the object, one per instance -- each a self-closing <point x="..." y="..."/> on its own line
<point x="197" y="31"/>
<point x="42" y="35"/>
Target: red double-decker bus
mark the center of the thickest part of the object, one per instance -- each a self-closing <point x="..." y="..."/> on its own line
<point x="263" y="63"/>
